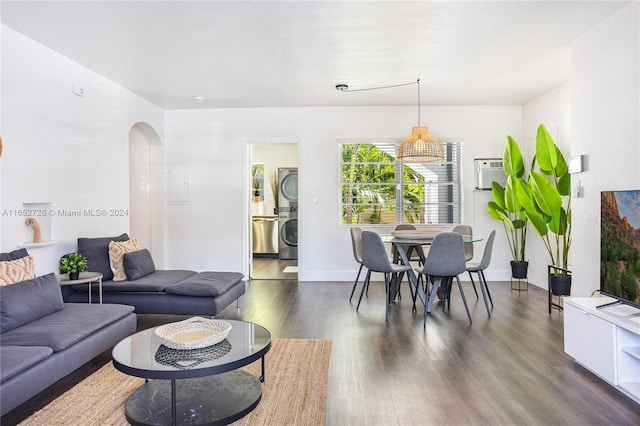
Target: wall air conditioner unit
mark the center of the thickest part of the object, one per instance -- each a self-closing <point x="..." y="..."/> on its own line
<point x="488" y="170"/>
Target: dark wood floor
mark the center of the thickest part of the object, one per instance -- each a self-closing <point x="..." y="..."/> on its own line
<point x="507" y="370"/>
<point x="272" y="268"/>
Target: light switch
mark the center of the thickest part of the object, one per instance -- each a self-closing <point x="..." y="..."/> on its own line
<point x="576" y="189"/>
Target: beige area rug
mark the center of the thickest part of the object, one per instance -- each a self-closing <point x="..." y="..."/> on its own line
<point x="294" y="391"/>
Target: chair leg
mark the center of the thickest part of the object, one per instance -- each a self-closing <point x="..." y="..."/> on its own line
<point x="487" y="287"/>
<point x="464" y="299"/>
<point x="364" y="286"/>
<point x="474" y="284"/>
<point x="387" y="287"/>
<point x="484" y="293"/>
<point x="355" y="284"/>
<point x="430" y="295"/>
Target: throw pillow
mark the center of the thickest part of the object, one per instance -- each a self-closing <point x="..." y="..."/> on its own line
<point x="26" y="301"/>
<point x="13" y="271"/>
<point x="96" y="250"/>
<point x="14" y="255"/>
<point x="117" y="250"/>
<point x="138" y="264"/>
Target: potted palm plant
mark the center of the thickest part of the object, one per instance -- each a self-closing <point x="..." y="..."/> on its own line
<point x="507" y="208"/>
<point x="73" y="264"/>
<point x="547" y="202"/>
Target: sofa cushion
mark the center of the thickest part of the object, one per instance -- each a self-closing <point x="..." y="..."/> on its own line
<point x="206" y="284"/>
<point x="155" y="282"/>
<point x="14" y="271"/>
<point x="16" y="359"/>
<point x="29" y="300"/>
<point x="117" y="250"/>
<point x="13" y="255"/>
<point x="138" y="264"/>
<point x="67" y="326"/>
<point x="96" y="250"/>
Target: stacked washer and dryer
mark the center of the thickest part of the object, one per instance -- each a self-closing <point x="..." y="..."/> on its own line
<point x="288" y="213"/>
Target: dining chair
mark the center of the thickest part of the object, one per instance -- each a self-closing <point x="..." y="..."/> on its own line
<point x="444" y="262"/>
<point x="479" y="267"/>
<point x="468" y="247"/>
<point x="376" y="259"/>
<point x="356" y="245"/>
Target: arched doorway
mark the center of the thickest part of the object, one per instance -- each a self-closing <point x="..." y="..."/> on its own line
<point x="145" y="183"/>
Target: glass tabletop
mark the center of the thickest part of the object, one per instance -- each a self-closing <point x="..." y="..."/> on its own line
<point x="142" y="355"/>
<point x="423" y="240"/>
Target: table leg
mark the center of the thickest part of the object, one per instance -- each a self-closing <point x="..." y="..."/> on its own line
<point x="413" y="279"/>
<point x="433" y="294"/>
<point x="100" y="289"/>
<point x="89" y="292"/>
<point x="262" y="375"/>
<point x="174" y="420"/>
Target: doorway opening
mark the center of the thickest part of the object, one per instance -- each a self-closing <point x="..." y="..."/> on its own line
<point x="273" y="219"/>
<point x="145" y="183"/>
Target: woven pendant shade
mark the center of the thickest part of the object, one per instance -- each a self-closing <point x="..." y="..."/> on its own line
<point x="420" y="147"/>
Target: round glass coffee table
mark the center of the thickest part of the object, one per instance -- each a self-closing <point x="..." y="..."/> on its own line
<point x="194" y="387"/>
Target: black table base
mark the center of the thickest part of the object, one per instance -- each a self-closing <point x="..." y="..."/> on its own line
<point x="210" y="400"/>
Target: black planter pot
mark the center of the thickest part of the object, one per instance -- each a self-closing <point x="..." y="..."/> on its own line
<point x="74" y="275"/>
<point x="560" y="285"/>
<point x="519" y="269"/>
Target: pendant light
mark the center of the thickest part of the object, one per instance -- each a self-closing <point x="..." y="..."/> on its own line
<point x="419" y="146"/>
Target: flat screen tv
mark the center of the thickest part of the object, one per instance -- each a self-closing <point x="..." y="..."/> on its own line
<point x="620" y="245"/>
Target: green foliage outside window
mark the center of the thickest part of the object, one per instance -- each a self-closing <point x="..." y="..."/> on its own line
<point x="369" y="186"/>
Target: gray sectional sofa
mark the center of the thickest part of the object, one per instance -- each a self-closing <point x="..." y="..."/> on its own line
<point x="43" y="339"/>
<point x="151" y="291"/>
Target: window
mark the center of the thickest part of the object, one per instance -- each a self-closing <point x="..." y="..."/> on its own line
<point x="375" y="189"/>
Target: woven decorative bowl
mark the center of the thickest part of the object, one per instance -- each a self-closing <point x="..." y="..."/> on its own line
<point x="193" y="333"/>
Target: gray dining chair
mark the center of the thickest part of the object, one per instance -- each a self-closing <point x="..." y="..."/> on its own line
<point x="468" y="246"/>
<point x="376" y="259"/>
<point x="356" y="245"/>
<point x="479" y="267"/>
<point x="444" y="262"/>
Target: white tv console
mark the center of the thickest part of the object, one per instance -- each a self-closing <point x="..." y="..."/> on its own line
<point x="606" y="341"/>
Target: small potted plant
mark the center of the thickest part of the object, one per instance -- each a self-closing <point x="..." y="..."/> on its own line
<point x="73" y="264"/>
<point x="273" y="180"/>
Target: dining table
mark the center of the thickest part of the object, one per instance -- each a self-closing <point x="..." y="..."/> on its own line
<point x="405" y="242"/>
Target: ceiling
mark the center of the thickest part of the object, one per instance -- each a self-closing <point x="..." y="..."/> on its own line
<point x="239" y="54"/>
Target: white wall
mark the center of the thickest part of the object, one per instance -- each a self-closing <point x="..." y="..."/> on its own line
<point x="211" y="232"/>
<point x="605" y="126"/>
<point x="63" y="149"/>
<point x="596" y="115"/>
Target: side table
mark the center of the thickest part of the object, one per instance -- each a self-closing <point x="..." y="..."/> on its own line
<point x="84" y="278"/>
